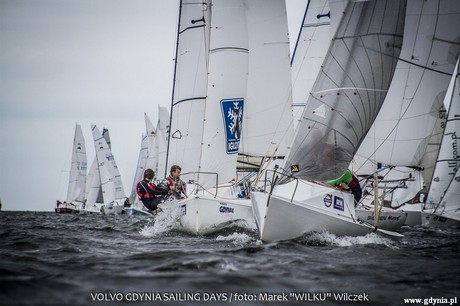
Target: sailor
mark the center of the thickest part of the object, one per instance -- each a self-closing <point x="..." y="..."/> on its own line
<point x="148" y="193"/>
<point x="176" y="185"/>
<point x="349" y="182"/>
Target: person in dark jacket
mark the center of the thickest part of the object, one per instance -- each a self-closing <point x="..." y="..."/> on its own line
<point x="148" y="193"/>
<point x="176" y="185"/>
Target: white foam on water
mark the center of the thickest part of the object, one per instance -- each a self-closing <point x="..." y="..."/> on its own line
<point x="236" y="238"/>
<point x="345" y="241"/>
<point x="165" y="221"/>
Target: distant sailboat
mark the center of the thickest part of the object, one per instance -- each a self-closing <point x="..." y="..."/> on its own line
<point x="77" y="176"/>
<point x="344" y="101"/>
<point x="113" y="194"/>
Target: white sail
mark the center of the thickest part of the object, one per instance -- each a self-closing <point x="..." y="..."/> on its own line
<point x="161" y="140"/>
<point x="448" y="162"/>
<point x="402" y="130"/>
<point x="112" y="187"/>
<point x="318" y="27"/>
<point x="78" y="168"/>
<point x="349" y="90"/>
<point x="150" y="160"/>
<point x="226" y="93"/>
<point x="190" y="85"/>
<point x="269" y="81"/>
<point x="93" y="193"/>
<point x="141" y="166"/>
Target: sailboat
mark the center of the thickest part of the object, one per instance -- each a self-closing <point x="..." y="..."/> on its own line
<point x="77" y="176"/>
<point x="415" y="99"/>
<point x="445" y="188"/>
<point x="93" y="191"/>
<point x="110" y="180"/>
<point x="209" y="96"/>
<point x="344" y="101"/>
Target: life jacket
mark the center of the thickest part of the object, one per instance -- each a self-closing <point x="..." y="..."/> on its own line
<point x="177" y="184"/>
<point x="142" y="192"/>
<point x="354" y="184"/>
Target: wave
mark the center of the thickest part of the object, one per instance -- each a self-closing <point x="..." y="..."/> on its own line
<point x="328" y="239"/>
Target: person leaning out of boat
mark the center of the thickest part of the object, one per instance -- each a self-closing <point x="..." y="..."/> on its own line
<point x="147" y="191"/>
<point x="349" y="182"/>
<point x="176" y="185"/>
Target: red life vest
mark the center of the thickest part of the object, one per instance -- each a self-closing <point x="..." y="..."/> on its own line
<point x="142" y="192"/>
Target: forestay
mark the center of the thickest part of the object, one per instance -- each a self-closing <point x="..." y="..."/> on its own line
<point x="349" y="90"/>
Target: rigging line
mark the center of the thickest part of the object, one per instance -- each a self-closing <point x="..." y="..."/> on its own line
<point x="189" y="99"/>
<point x="300" y="32"/>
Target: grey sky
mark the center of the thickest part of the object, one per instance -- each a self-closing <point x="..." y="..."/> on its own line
<point x="104" y="62"/>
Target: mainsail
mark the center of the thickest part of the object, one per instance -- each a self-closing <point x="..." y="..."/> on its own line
<point x="78" y="167"/>
<point x="349" y="90"/>
<point x="190" y="85"/>
<point x="209" y="90"/>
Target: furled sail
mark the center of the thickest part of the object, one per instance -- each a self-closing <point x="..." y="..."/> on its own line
<point x="349" y="90"/>
<point x="402" y="130"/>
<point x="78" y="167"/>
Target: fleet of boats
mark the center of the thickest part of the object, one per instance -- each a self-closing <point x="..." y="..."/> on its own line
<point x="259" y="132"/>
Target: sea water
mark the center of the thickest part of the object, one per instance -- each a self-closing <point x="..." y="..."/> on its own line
<point x="59" y="259"/>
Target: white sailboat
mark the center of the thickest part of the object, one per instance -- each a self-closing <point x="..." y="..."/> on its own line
<point x="345" y="100"/>
<point x="445" y="188"/>
<point x="209" y="95"/>
<point x="402" y="133"/>
<point x="93" y="191"/>
<point x="77" y="176"/>
<point x="110" y="180"/>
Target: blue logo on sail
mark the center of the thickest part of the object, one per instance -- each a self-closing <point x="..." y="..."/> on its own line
<point x="232" y="112"/>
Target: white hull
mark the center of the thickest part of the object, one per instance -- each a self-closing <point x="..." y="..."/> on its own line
<point x="103" y="209"/>
<point x="435" y="220"/>
<point x="389" y="219"/>
<point x="206" y="214"/>
<point x="314" y="208"/>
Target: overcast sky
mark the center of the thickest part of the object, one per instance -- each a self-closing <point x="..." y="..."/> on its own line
<point x="63" y="62"/>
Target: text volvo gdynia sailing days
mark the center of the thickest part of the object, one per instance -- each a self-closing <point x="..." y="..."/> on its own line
<point x="158" y="296"/>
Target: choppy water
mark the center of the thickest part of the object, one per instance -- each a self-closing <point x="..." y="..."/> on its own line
<point x="52" y="259"/>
